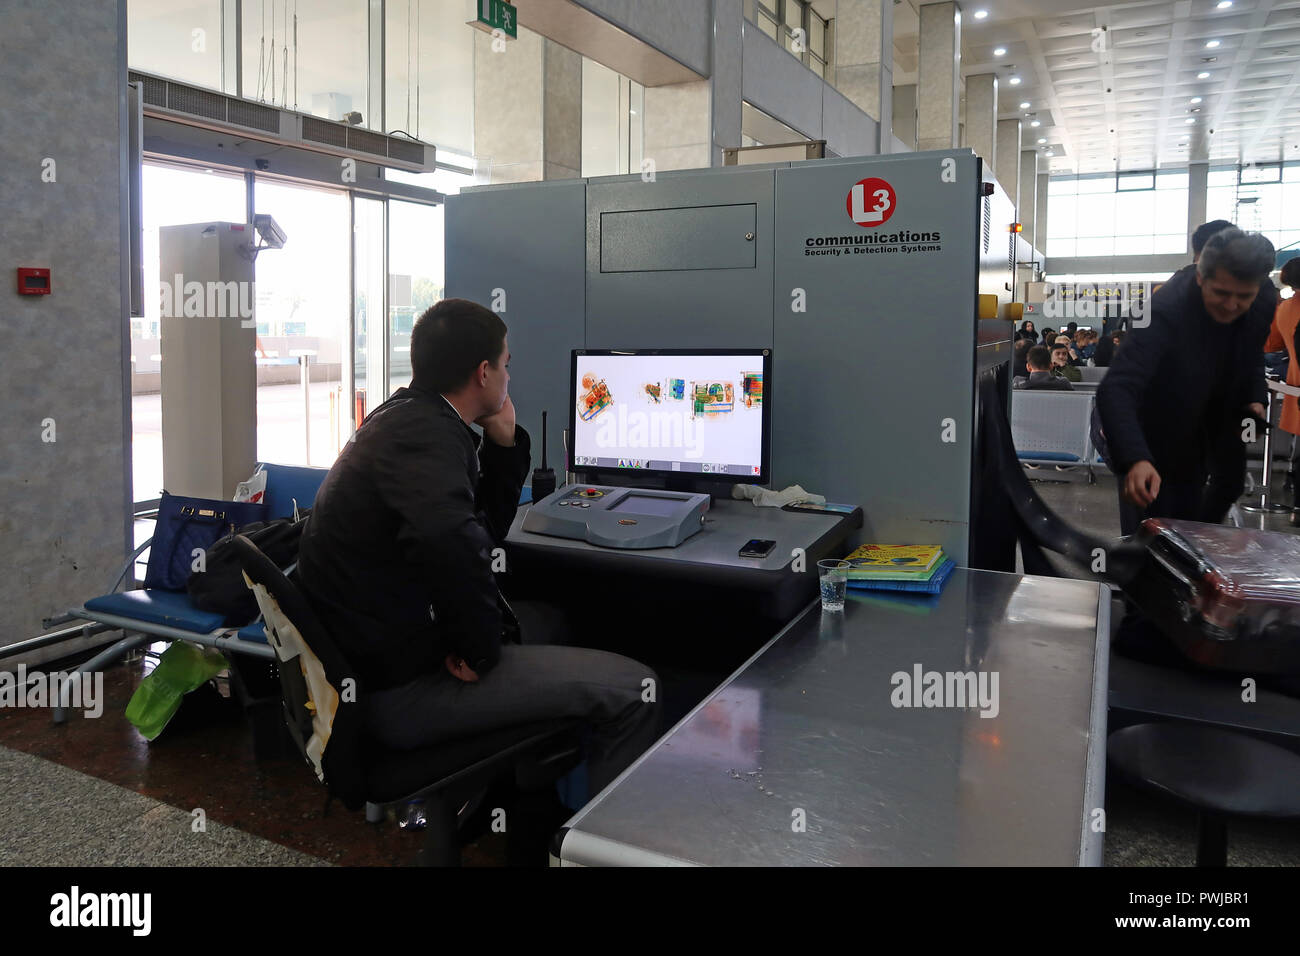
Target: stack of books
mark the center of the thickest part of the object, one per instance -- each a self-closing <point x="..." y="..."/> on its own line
<point x="899" y="567"/>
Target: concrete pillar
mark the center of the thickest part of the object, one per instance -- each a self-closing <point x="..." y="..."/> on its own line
<point x="1040" y="214"/>
<point x="938" y="77"/>
<point x="864" y="59"/>
<point x="209" y="376"/>
<point x="982" y="118"/>
<point x="904" y="113"/>
<point x="1198" y="178"/>
<point x="726" y="98"/>
<point x="528" y="108"/>
<point x="1027" y="203"/>
<point x="1006" y="168"/>
<point x="677" y="126"/>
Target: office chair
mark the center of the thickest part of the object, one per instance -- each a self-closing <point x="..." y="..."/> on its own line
<point x="320" y="696"/>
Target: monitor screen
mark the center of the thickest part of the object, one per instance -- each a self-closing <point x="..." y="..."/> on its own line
<point x="696" y="414"/>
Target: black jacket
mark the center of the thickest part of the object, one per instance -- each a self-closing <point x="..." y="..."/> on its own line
<point x="1158" y="402"/>
<point x="405" y="521"/>
<point x="1043" y="380"/>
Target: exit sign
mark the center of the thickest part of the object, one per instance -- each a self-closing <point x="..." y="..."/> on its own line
<point x="499" y="15"/>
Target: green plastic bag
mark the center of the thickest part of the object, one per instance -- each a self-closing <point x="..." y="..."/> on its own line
<point x="182" y="668"/>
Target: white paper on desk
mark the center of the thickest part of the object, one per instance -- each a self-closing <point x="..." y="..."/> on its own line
<point x="767" y="498"/>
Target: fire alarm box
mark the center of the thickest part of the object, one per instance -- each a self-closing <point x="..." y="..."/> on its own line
<point x="33" y="281"/>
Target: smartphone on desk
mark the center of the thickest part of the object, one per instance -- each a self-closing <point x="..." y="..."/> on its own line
<point x="757" y="548"/>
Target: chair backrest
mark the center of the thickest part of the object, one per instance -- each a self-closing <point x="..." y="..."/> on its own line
<point x="1093" y="373"/>
<point x="288" y="483"/>
<point x="1052" y="423"/>
<point x="320" y="689"/>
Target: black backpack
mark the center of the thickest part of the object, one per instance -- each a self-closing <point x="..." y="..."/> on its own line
<point x="220" y="587"/>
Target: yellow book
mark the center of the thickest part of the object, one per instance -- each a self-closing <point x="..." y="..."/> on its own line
<point x="871" y="560"/>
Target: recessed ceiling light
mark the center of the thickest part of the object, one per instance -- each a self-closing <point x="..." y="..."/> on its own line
<point x="1024" y="105"/>
<point x="1015" y="81"/>
<point x="1211" y="44"/>
<point x="1050" y="154"/>
<point x="1000" y="51"/>
<point x="1202" y="75"/>
<point x="1042" y="141"/>
<point x="1224" y="4"/>
<point x="1196" y="99"/>
<point x="1191" y="120"/>
<point x="981" y="14"/>
<point x="1035" y="124"/>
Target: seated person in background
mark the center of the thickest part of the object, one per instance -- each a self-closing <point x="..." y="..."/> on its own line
<point x="396" y="559"/>
<point x="1040" y="372"/>
<point x="1086" y="344"/>
<point x="1027" y="331"/>
<point x="1018" y="369"/>
<point x="1061" y="366"/>
<point x="1106" y="347"/>
<point x="1065" y="342"/>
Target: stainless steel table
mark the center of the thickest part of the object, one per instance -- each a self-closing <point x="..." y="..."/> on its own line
<point x="807" y="731"/>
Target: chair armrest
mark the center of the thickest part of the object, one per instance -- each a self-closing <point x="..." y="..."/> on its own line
<point x="130" y="563"/>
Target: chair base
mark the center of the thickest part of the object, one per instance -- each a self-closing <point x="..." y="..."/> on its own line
<point x="1212" y="840"/>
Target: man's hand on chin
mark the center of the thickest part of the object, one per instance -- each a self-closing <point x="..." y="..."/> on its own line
<point x="499" y="428"/>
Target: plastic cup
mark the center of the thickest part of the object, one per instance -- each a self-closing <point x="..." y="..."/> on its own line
<point x="834" y="580"/>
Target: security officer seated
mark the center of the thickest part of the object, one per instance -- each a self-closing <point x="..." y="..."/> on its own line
<point x="397" y="560"/>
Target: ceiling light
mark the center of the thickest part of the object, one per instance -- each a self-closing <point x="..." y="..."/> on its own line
<point x="1050" y="154"/>
<point x="1196" y="99"/>
<point x="1211" y="44"/>
<point x="1191" y="120"/>
<point x="1202" y="75"/>
<point x="1015" y="81"/>
<point x="1024" y="105"/>
<point x="981" y="14"/>
<point x="1035" y="124"/>
<point x="1224" y="4"/>
<point x="1000" y="51"/>
<point x="1042" y="141"/>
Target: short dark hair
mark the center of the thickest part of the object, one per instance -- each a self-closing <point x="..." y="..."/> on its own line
<point x="1022" y="345"/>
<point x="1040" y="357"/>
<point x="1203" y="232"/>
<point x="1246" y="255"/>
<point x="450" y="340"/>
<point x="1291" y="272"/>
<point x="1073" y="327"/>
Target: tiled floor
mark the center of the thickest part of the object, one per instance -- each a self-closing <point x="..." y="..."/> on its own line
<point x="93" y="792"/>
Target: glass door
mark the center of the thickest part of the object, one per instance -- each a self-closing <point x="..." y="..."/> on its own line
<point x="302" y="321"/>
<point x="369" y="305"/>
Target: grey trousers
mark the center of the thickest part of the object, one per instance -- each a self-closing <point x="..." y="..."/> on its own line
<point x="531" y="682"/>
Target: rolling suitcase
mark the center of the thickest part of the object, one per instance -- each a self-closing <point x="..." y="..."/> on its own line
<point x="1229" y="598"/>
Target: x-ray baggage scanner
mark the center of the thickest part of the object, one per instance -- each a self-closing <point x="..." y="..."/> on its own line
<point x="618" y="517"/>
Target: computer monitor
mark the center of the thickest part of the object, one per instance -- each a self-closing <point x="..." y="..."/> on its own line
<point x="687" y="415"/>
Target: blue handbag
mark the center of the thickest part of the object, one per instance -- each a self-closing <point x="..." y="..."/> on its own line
<point x="187" y="525"/>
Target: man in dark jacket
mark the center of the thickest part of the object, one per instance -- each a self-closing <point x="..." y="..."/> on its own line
<point x="397" y="558"/>
<point x="1173" y="403"/>
<point x="1039" y="363"/>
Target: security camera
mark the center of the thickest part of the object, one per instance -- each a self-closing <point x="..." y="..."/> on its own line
<point x="270" y="231"/>
<point x="262" y="164"/>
